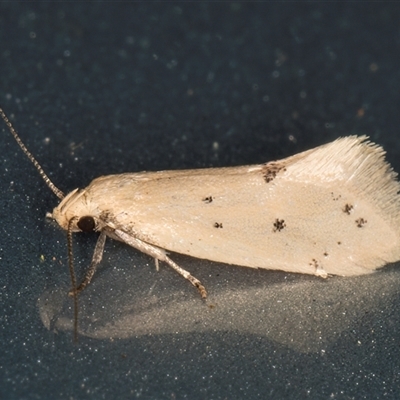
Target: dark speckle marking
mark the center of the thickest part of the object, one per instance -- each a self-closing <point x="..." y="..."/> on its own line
<point x="314" y="263"/>
<point x="334" y="197"/>
<point x="348" y="208"/>
<point x="361" y="222"/>
<point x="208" y="199"/>
<point x="326" y="254"/>
<point x="279" y="224"/>
<point x="271" y="170"/>
<point x="218" y="225"/>
<point x="339" y="243"/>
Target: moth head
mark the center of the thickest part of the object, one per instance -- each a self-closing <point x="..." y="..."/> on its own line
<point x="75" y="207"/>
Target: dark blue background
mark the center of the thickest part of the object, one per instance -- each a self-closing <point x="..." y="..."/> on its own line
<point x="133" y="86"/>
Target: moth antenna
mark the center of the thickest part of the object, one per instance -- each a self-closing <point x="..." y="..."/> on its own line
<point x="47" y="180"/>
<point x="74" y="290"/>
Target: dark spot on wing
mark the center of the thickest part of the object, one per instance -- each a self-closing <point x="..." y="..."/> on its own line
<point x="348" y="208"/>
<point x="360" y="222"/>
<point x="335" y="197"/>
<point x="279" y="224"/>
<point x="271" y="170"/>
<point x="218" y="225"/>
<point x="207" y="199"/>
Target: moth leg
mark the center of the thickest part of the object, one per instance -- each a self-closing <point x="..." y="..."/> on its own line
<point x="159" y="255"/>
<point x="96" y="259"/>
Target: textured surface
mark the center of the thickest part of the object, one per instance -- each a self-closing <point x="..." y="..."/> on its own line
<point x="99" y="88"/>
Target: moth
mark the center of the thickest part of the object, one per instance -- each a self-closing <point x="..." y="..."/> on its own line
<point x="331" y="210"/>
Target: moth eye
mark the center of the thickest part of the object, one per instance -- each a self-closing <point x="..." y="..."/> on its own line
<point x="86" y="224"/>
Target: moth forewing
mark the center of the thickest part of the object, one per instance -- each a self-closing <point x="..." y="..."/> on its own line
<point x="330" y="210"/>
